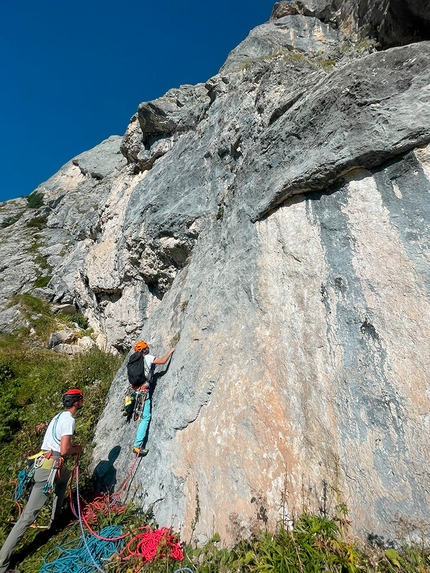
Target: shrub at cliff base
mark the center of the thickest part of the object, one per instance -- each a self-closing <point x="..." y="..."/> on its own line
<point x="314" y="544"/>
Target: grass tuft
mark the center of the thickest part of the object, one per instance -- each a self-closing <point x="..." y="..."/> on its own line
<point x="35" y="200"/>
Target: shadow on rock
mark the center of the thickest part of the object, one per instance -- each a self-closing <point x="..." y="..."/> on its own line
<point x="104" y="475"/>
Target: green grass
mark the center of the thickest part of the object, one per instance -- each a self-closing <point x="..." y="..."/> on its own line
<point x="8" y="221"/>
<point x="327" y="64"/>
<point x="35" y="200"/>
<point x="77" y="318"/>
<point x="38" y="223"/>
<point x="37" y="258"/>
<point x="32" y="381"/>
<point x="38" y="315"/>
<point x="41" y="282"/>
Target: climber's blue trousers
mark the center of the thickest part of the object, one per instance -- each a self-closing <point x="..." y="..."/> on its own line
<point x="144" y="422"/>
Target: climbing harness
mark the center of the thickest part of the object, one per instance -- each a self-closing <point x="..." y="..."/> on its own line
<point x="25" y="480"/>
<point x="47" y="460"/>
<point x="134" y="402"/>
<point x="57" y="464"/>
<point x="140" y="403"/>
<point x="53" y="462"/>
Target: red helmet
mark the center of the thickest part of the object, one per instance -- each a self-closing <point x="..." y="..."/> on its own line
<point x="71" y="397"/>
<point x="74" y="392"/>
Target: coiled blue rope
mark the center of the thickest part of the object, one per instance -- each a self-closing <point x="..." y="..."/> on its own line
<point x="83" y="557"/>
<point x="91" y="552"/>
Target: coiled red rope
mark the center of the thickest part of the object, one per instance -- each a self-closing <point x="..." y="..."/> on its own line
<point x="147" y="545"/>
<point x="152" y="543"/>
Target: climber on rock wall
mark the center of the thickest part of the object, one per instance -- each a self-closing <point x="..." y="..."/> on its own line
<point x="140" y="369"/>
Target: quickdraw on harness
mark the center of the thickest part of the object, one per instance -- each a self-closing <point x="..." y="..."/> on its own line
<point x="45" y="460"/>
<point x="25" y="481"/>
<point x="134" y="402"/>
<point x="57" y="464"/>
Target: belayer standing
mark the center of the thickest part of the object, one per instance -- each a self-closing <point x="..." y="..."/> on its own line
<point x="50" y="473"/>
<point x="140" y="370"/>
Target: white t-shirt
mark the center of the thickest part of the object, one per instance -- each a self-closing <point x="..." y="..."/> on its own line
<point x="62" y="425"/>
<point x="149" y="360"/>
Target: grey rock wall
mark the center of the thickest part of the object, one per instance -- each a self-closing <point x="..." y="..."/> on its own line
<point x="303" y="360"/>
<point x="388" y="22"/>
<point x="272" y="225"/>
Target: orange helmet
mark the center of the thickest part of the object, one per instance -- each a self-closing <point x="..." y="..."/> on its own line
<point x="139" y="346"/>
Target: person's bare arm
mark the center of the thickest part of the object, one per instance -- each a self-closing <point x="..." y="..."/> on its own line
<point x="66" y="447"/>
<point x="165" y="358"/>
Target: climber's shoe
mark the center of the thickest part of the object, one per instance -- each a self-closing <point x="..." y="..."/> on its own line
<point x="140" y="451"/>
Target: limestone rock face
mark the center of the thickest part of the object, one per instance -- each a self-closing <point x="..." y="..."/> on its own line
<point x="272" y="225"/>
<point x="51" y="242"/>
<point x="291" y="32"/>
<point x="389" y="22"/>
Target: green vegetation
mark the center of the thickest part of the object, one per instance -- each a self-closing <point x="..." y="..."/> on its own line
<point x="245" y="66"/>
<point x="42" y="262"/>
<point x="326" y="64"/>
<point x="80" y="320"/>
<point x="313" y="544"/>
<point x="175" y="339"/>
<point x="38" y="315"/>
<point x="33" y="249"/>
<point x="37" y="222"/>
<point x="32" y="381"/>
<point x="35" y="200"/>
<point x="366" y="45"/>
<point x="8" y="221"/>
<point x="286" y="55"/>
<point x="42" y="281"/>
<point x="294" y="56"/>
<point x="220" y="213"/>
<point x="76" y="318"/>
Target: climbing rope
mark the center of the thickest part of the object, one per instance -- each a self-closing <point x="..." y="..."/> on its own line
<point x="150" y="544"/>
<point x="20" y="484"/>
<point x="92" y="557"/>
<point x="75" y="559"/>
<point x="116" y="496"/>
<point x="105" y="502"/>
<point x="145" y="544"/>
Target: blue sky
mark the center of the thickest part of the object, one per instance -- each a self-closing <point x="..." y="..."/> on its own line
<point x="74" y="72"/>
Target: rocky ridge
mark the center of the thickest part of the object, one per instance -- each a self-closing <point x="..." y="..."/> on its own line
<point x="273" y="225"/>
